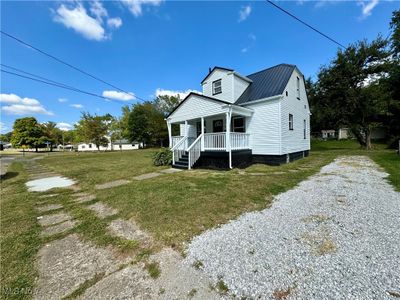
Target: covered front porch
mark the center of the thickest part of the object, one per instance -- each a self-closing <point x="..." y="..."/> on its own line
<point x="223" y="132"/>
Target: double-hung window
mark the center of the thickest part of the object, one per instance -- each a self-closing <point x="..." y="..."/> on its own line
<point x="238" y="124"/>
<point x="298" y="87"/>
<point x="217" y="87"/>
<point x="305" y="128"/>
<point x="290" y="122"/>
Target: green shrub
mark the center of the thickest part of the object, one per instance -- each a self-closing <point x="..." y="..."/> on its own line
<point x="162" y="157"/>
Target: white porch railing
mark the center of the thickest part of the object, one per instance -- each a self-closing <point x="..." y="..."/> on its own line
<point x="240" y="140"/>
<point x="215" y="141"/>
<point x="179" y="149"/>
<point x="194" y="151"/>
<point x="175" y="140"/>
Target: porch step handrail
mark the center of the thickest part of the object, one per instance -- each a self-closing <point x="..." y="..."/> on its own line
<point x="175" y="139"/>
<point x="194" y="151"/>
<point x="178" y="149"/>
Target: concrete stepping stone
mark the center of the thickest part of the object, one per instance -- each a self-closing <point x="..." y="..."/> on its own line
<point x="131" y="282"/>
<point x="43" y="175"/>
<point x="111" y="184"/>
<point x="44" y="184"/>
<point x="65" y="264"/>
<point x="48" y="220"/>
<point x="171" y="170"/>
<point x="49" y="207"/>
<point x="146" y="176"/>
<point x="80" y="194"/>
<point x="257" y="174"/>
<point x="102" y="210"/>
<point x="85" y="198"/>
<point x="47" y="196"/>
<point x="129" y="230"/>
<point x="59" y="228"/>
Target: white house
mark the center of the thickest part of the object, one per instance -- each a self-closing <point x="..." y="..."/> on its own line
<point x="263" y="117"/>
<point x="115" y="145"/>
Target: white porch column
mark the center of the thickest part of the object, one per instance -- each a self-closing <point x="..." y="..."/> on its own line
<point x="186" y="133"/>
<point x="169" y="134"/>
<point x="228" y="138"/>
<point x="202" y="132"/>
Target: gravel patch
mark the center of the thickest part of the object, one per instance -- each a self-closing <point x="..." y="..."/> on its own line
<point x="335" y="236"/>
<point x="48" y="220"/>
<point x="65" y="264"/>
<point x="59" y="228"/>
<point x="102" y="210"/>
<point x="49" y="207"/>
<point x="146" y="176"/>
<point x="111" y="184"/>
<point x="129" y="230"/>
<point x="44" y="184"/>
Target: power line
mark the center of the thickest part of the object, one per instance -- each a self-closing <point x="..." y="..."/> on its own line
<point x="67" y="64"/>
<point x="304" y="23"/>
<point x="60" y="85"/>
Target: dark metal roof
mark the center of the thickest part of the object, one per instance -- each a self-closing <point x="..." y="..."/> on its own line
<point x="267" y="83"/>
<point x="216" y="67"/>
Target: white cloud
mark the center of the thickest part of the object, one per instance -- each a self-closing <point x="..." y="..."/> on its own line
<point x="97" y="9"/>
<point x="118" y="95"/>
<point x="114" y="22"/>
<point x="76" y="105"/>
<point x="88" y="23"/>
<point x="136" y="6"/>
<point x="3" y="127"/>
<point x="62" y="100"/>
<point x="77" y="19"/>
<point x="367" y="7"/>
<point x="64" y="126"/>
<point x="16" y="105"/>
<point x="181" y="94"/>
<point x="252" y="37"/>
<point x="245" y="49"/>
<point x="244" y="13"/>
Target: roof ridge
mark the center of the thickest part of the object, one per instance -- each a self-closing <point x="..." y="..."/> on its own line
<point x="282" y="64"/>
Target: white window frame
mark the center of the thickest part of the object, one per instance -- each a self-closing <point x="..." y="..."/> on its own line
<point x="298" y="87"/>
<point x="290" y="122"/>
<point x="305" y="128"/>
<point x="234" y="128"/>
<point x="217" y="89"/>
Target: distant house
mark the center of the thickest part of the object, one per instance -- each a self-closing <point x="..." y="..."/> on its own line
<point x="115" y="145"/>
<point x="343" y="134"/>
<point x="263" y="117"/>
<point x="328" y="134"/>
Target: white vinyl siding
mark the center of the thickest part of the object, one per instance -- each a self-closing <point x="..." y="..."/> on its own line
<point x="196" y="107"/>
<point x="232" y="86"/>
<point x="264" y="128"/>
<point x="293" y="140"/>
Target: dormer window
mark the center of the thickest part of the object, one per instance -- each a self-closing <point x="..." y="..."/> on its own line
<point x="217" y="87"/>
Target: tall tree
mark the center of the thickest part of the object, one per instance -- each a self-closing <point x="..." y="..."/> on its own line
<point x="146" y="124"/>
<point x="166" y="104"/>
<point x="349" y="87"/>
<point x="93" y="129"/>
<point x="27" y="132"/>
<point x="51" y="134"/>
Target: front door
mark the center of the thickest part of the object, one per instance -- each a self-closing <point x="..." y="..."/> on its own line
<point x="218" y="126"/>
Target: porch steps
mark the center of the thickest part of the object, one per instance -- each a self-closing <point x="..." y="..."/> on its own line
<point x="183" y="162"/>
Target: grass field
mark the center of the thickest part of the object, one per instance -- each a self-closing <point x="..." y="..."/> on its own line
<point x="172" y="207"/>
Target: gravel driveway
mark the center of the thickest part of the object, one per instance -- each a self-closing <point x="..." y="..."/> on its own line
<point x="335" y="236"/>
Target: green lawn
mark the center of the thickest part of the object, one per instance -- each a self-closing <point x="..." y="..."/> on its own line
<point x="172" y="207"/>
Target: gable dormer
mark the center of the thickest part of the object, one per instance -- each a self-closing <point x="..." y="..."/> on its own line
<point x="224" y="84"/>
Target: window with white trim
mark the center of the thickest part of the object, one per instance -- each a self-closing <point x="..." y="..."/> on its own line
<point x="298" y="87"/>
<point x="290" y="122"/>
<point x="217" y="87"/>
<point x="305" y="129"/>
<point x="238" y="124"/>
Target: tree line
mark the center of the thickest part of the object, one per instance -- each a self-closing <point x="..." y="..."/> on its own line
<point x="140" y="122"/>
<point x="360" y="88"/>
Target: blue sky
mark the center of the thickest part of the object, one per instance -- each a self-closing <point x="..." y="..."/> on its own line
<point x="149" y="47"/>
